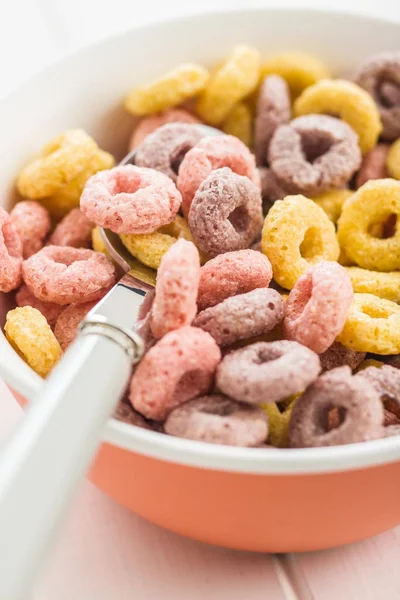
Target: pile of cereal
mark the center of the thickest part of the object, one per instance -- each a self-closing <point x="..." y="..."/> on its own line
<point x="275" y="319"/>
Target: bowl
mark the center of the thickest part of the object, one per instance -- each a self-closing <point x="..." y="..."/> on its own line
<point x="250" y="499"/>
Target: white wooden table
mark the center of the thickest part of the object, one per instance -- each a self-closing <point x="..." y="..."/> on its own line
<point x="105" y="552"/>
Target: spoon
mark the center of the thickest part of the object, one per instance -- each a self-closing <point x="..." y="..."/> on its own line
<point x="52" y="449"/>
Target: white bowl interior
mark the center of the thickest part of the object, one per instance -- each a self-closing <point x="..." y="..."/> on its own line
<point x="85" y="90"/>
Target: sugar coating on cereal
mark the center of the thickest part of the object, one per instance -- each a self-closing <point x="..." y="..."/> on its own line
<point x="74" y="230"/>
<point x="152" y="122"/>
<point x="32" y="222"/>
<point x="11" y="250"/>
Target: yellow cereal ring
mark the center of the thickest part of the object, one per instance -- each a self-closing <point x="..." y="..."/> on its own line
<point x="60" y="161"/>
<point x="235" y="80"/>
<point x="68" y="196"/>
<point x="372" y="204"/>
<point x="369" y="362"/>
<point x="372" y="325"/>
<point x="384" y="285"/>
<point x="173" y="88"/>
<point x="344" y="259"/>
<point x="332" y="202"/>
<point x="278" y="423"/>
<point x="300" y="70"/>
<point x="347" y="100"/>
<point x="31" y="336"/>
<point x="296" y="235"/>
<point x="97" y="242"/>
<point x="393" y="160"/>
<point x="239" y="123"/>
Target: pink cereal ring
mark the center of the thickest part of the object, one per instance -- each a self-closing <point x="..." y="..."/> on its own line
<point x="74" y="230"/>
<point x="209" y="154"/>
<point x="178" y="368"/>
<point x="165" y="148"/>
<point x="218" y="420"/>
<point x="226" y="213"/>
<point x="373" y="165"/>
<point x="339" y="356"/>
<point x="267" y="371"/>
<point x="49" y="310"/>
<point x="129" y="199"/>
<point x="230" y="274"/>
<point x="68" y="322"/>
<point x="32" y="221"/>
<point x="149" y="124"/>
<point x="317" y="307"/>
<point x="10" y="254"/>
<point x="68" y="275"/>
<point x="355" y="398"/>
<point x="386" y="381"/>
<point x="242" y="317"/>
<point x="178" y="277"/>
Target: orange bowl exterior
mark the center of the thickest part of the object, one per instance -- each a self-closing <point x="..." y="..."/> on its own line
<point x="261" y="513"/>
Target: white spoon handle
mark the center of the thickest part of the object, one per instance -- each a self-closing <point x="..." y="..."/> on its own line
<point x="51" y="451"/>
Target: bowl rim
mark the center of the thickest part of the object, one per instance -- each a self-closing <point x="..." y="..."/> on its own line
<point x="21" y="378"/>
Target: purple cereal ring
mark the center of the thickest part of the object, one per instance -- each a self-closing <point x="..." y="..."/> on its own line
<point x="178" y="368"/>
<point x="242" y="317"/>
<point x="267" y="371"/>
<point x="226" y="213"/>
<point x="152" y="122"/>
<point x="338" y="355"/>
<point x="218" y="420"/>
<point x="68" y="275"/>
<point x="273" y="109"/>
<point x="68" y="322"/>
<point x="358" y="404"/>
<point x="129" y="199"/>
<point x="379" y="75"/>
<point x="165" y="148"/>
<point x="175" y="302"/>
<point x="386" y="381"/>
<point x="49" y="310"/>
<point x="32" y="222"/>
<point x="271" y="189"/>
<point x="74" y="230"/>
<point x="314" y="153"/>
<point x="10" y="254"/>
<point x="390" y="418"/>
<point x="316" y="309"/>
<point x="373" y="165"/>
<point x="209" y="154"/>
<point x="126" y="413"/>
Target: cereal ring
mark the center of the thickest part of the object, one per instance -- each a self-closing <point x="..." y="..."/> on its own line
<point x="125" y="413"/>
<point x="370" y="362"/>
<point x="175" y="303"/>
<point x="49" y="310"/>
<point x="338" y="355"/>
<point x="373" y="325"/>
<point x="68" y="275"/>
<point x="384" y="285"/>
<point x="165" y="148"/>
<point x="150" y="248"/>
<point x="10" y="254"/>
<point x="173" y="88"/>
<point x="347" y="100"/>
<point x="271" y="189"/>
<point x="130" y="199"/>
<point x="386" y="381"/>
<point x="31" y="336"/>
<point x="267" y="371"/>
<point x="296" y="235"/>
<point x="242" y="317"/>
<point x="209" y="154"/>
<point x="229" y="84"/>
<point x="373" y="165"/>
<point x="359" y="407"/>
<point x="278" y="423"/>
<point x="390" y="419"/>
<point x="332" y="202"/>
<point x="230" y="274"/>
<point x="317" y="307"/>
<point x="298" y="69"/>
<point x="239" y="123"/>
<point x="393" y="160"/>
<point x="74" y="230"/>
<point x="60" y="161"/>
<point x="178" y="368"/>
<point x="379" y="75"/>
<point x="226" y="213"/>
<point x="97" y="242"/>
<point x="68" y="196"/>
<point x="32" y="222"/>
<point x="372" y="204"/>
<point x="68" y="322"/>
<point x="273" y="109"/>
<point x="313" y="154"/>
<point x="149" y="124"/>
<point x="218" y="420"/>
